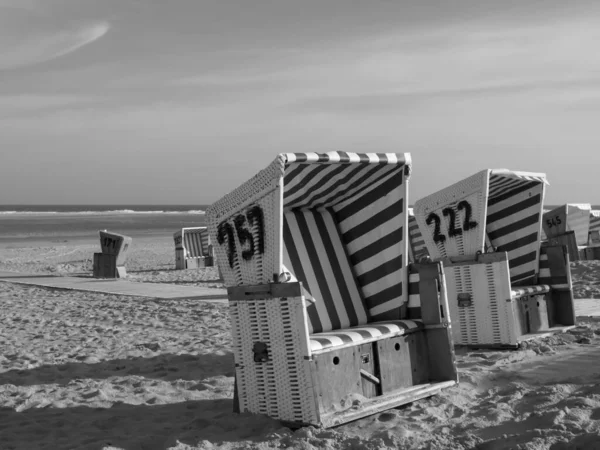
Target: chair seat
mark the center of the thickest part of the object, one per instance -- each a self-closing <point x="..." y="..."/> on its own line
<point x="366" y="333"/>
<point x="529" y="290"/>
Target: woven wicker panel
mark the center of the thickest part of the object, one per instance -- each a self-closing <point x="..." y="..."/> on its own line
<point x="374" y="230"/>
<point x="514" y="216"/>
<point x="315" y="254"/>
<point x="281" y="387"/>
<point x="235" y="215"/>
<point x="489" y="319"/>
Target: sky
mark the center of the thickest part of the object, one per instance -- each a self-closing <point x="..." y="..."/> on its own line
<point x="180" y="101"/>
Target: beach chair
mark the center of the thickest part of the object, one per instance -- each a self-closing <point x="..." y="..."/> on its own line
<point x="110" y="263"/>
<point x="573" y="217"/>
<point x="417" y="250"/>
<point x="193" y="248"/>
<point x="486" y="230"/>
<point x="592" y="250"/>
<point x="313" y="250"/>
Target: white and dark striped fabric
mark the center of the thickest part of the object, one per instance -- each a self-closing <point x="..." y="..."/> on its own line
<point x="513" y="222"/>
<point x="338" y="177"/>
<point x="366" y="196"/>
<point x="546" y="276"/>
<point x="373" y="229"/>
<point x="314" y="254"/>
<point x="195" y="242"/>
<point x="414" y="296"/>
<point x="529" y="290"/>
<point x="594" y="220"/>
<point x="415" y="239"/>
<point x="356" y="335"/>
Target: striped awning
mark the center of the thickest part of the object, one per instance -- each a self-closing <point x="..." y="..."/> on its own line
<point x="347" y="158"/>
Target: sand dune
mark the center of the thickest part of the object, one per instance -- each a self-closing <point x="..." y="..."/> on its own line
<point x="89" y="370"/>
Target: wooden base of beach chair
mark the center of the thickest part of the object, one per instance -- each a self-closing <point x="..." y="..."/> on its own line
<point x="105" y="266"/>
<point x="590" y="253"/>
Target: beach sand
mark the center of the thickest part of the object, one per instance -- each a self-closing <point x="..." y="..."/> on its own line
<point x="87" y="370"/>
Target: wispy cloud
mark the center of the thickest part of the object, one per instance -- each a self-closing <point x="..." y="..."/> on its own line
<point x="30" y="38"/>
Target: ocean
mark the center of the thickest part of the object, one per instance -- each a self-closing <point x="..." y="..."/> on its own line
<point x="66" y="222"/>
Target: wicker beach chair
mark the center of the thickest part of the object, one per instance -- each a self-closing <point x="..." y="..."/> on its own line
<point x="569" y="225"/>
<point x="503" y="287"/>
<point x="110" y="263"/>
<point x="592" y="250"/>
<point x="193" y="248"/>
<point x="313" y="250"/>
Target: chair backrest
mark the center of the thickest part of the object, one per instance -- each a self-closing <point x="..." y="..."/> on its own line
<point x="495" y="208"/>
<point x="570" y="217"/>
<point x="335" y="221"/>
<point x="193" y="240"/>
<point x="115" y="244"/>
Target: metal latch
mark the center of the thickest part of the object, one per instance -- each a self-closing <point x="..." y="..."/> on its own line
<point x="365" y="358"/>
<point x="465" y="299"/>
<point x="261" y="352"/>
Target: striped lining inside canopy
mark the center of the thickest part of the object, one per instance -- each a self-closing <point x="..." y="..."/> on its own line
<point x="338" y="178"/>
<point x="195" y="242"/>
<point x="357" y="335"/>
<point x="415" y="238"/>
<point x="594" y="220"/>
<point x="314" y="254"/>
<point x="513" y="222"/>
<point x="373" y="228"/>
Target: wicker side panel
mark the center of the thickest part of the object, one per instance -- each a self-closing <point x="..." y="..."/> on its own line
<point x="488" y="319"/>
<point x="263" y="190"/>
<point x="281" y="387"/>
<point x="463" y="236"/>
<point x="248" y="243"/>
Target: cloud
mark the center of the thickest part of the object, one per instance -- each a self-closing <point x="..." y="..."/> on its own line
<point x="28" y="38"/>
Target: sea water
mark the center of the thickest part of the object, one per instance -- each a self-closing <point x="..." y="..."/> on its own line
<point x="66" y="222"/>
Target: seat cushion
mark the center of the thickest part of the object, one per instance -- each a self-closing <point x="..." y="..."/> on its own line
<point x="362" y="334"/>
<point x="529" y="290"/>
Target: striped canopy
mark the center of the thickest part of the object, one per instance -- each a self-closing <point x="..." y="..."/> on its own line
<point x="344" y="234"/>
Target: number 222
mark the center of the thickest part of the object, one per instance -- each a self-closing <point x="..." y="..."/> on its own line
<point x="468" y="224"/>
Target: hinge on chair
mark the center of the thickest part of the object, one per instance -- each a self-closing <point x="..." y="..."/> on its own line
<point x="261" y="352"/>
<point x="465" y="299"/>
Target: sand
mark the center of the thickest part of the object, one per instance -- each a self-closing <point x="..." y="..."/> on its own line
<point x="89" y="370"/>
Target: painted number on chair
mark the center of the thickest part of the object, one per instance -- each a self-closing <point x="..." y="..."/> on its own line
<point x="553" y="222"/>
<point x="110" y="241"/>
<point x="450" y="215"/>
<point x="249" y="228"/>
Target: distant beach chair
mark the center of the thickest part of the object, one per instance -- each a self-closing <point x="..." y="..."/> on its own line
<point x="417" y="250"/>
<point x="486" y="230"/>
<point x="313" y="250"/>
<point x="594" y="233"/>
<point x="110" y="263"/>
<point x="193" y="248"/>
<point x="592" y="250"/>
<point x="573" y="217"/>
